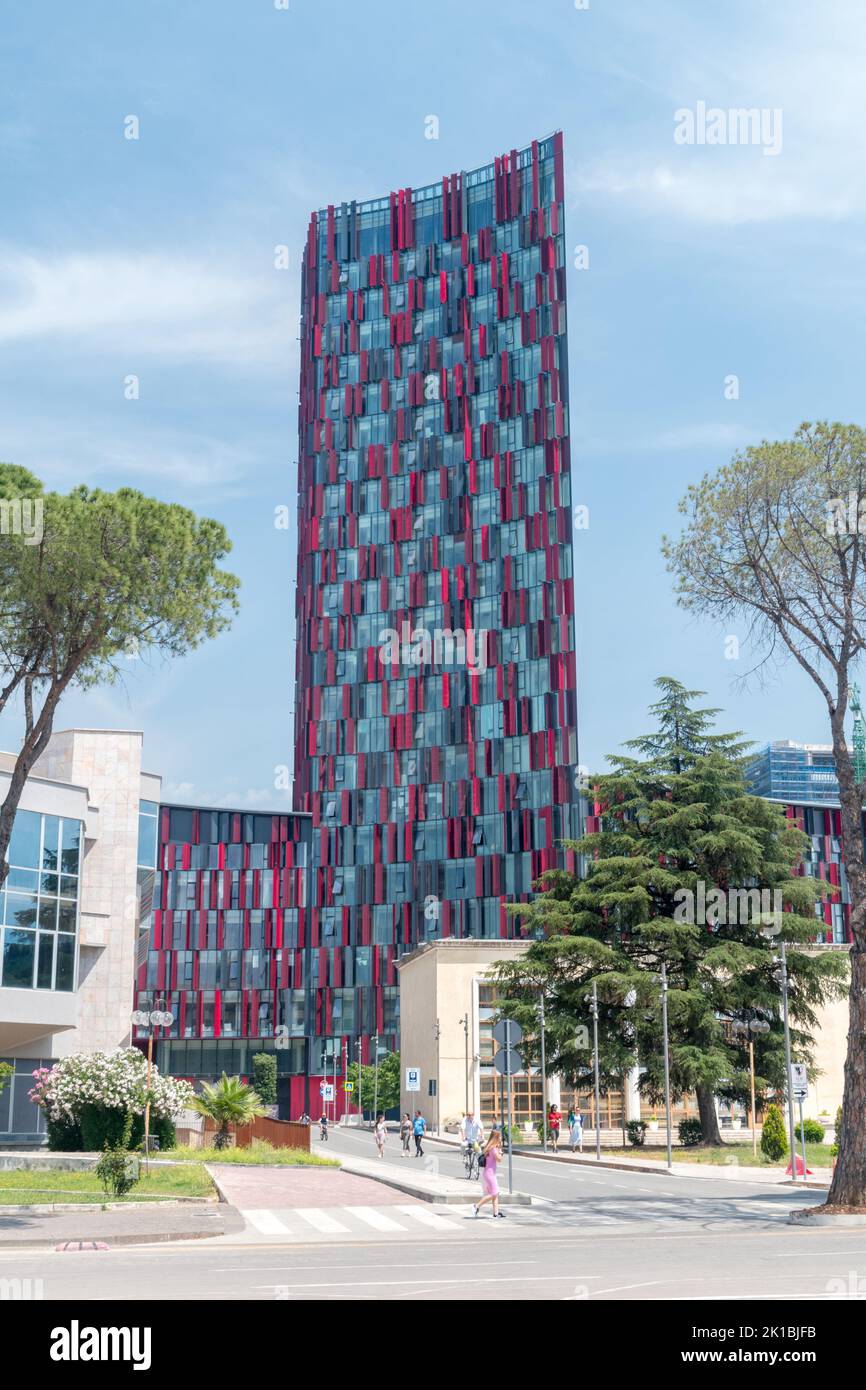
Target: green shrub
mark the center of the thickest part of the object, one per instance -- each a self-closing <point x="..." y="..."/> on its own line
<point x="636" y="1131"/>
<point x="813" y="1131"/>
<point x="690" y="1133"/>
<point x="161" y="1129"/>
<point x="64" y="1136"/>
<point x="117" y="1170"/>
<point x="265" y="1077"/>
<point x="774" y="1143"/>
<point x="102" y="1125"/>
<point x="834" y="1149"/>
<point x="5" y="1073"/>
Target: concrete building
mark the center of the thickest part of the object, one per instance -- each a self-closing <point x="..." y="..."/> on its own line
<point x="81" y="860"/>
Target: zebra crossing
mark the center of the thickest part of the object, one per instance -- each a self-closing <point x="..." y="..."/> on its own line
<point x="354" y="1222"/>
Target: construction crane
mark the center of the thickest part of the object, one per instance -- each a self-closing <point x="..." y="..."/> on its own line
<point x="858" y="735"/>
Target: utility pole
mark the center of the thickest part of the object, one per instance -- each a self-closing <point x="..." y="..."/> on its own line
<point x="376" y="1076"/>
<point x="360" y="1107"/>
<point x="465" y="1021"/>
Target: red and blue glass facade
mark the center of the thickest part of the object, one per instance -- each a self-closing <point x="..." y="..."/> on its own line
<point x="435" y="497"/>
<point x="435" y="701"/>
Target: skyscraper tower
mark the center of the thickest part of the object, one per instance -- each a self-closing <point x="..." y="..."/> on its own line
<point x="435" y="702"/>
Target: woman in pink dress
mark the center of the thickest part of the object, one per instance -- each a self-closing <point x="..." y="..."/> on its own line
<point x="491" y="1154"/>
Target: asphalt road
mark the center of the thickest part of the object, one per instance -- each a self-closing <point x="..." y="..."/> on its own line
<point x="780" y="1263"/>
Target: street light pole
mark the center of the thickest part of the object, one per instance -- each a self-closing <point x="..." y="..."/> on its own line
<point x="667" y="1061"/>
<point x="465" y="1021"/>
<point x="783" y="980"/>
<point x="543" y="1074"/>
<point x="753" y="1117"/>
<point x="360" y="1107"/>
<point x="151" y="1020"/>
<point x="594" y="1009"/>
<point x="437" y="1033"/>
<point x="376" y="1077"/>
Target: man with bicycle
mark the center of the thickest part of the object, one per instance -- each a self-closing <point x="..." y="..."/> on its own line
<point x="471" y="1139"/>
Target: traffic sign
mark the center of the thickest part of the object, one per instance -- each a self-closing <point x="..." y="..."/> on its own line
<point x="326" y="1090"/>
<point x="508" y="1062"/>
<point x="413" y="1078"/>
<point x="506" y="1032"/>
<point x="348" y="1085"/>
<point x="799" y="1081"/>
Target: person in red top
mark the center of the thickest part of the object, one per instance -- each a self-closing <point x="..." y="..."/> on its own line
<point x="554" y="1124"/>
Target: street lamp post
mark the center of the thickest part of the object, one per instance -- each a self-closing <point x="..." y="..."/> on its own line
<point x="782" y="976"/>
<point x="752" y="1027"/>
<point x="437" y="1033"/>
<point x="543" y="1074"/>
<point x="594" y="1011"/>
<point x="376" y="1077"/>
<point x="465" y="1021"/>
<point x="360" y="1107"/>
<point x="667" y="1062"/>
<point x="156" y="1018"/>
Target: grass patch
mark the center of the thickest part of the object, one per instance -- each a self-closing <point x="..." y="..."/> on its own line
<point x="817" y="1155"/>
<point x="29" y="1187"/>
<point x="259" y="1152"/>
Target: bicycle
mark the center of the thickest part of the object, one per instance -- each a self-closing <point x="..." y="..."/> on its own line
<point x="470" y="1162"/>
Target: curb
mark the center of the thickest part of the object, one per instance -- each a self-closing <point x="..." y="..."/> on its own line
<point x="34" y="1210"/>
<point x="809" y="1217"/>
<point x="124" y="1238"/>
<point x="521" y="1199"/>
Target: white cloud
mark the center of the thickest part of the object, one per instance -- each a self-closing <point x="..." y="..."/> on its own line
<point x="169" y="306"/>
<point x="714" y="434"/>
<point x="808" y="65"/>
<point x="253" y="799"/>
<point x="712" y="192"/>
<point x="65" y="454"/>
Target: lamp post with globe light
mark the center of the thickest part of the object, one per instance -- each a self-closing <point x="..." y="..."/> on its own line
<point x="749" y="1028"/>
<point x="151" y="1020"/>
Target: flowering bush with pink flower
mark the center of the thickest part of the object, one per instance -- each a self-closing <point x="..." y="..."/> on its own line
<point x="87" y="1096"/>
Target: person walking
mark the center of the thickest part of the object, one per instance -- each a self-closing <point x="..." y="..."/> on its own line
<point x="406" y="1133"/>
<point x="554" y="1125"/>
<point x="379" y="1133"/>
<point x="575" y="1132"/>
<point x="323" y="1129"/>
<point x="490" y="1157"/>
<point x="419" y="1127"/>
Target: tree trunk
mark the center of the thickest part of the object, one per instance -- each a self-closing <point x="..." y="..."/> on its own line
<point x="709" y="1116"/>
<point x="35" y="743"/>
<point x="848" y="1187"/>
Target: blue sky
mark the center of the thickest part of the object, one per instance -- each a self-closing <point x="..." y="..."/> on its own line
<point x="155" y="257"/>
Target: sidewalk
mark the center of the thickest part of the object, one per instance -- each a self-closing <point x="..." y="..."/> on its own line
<point x="138" y="1225"/>
<point x="426" y="1186"/>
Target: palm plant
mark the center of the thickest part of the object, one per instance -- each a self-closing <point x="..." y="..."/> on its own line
<point x="229" y="1102"/>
